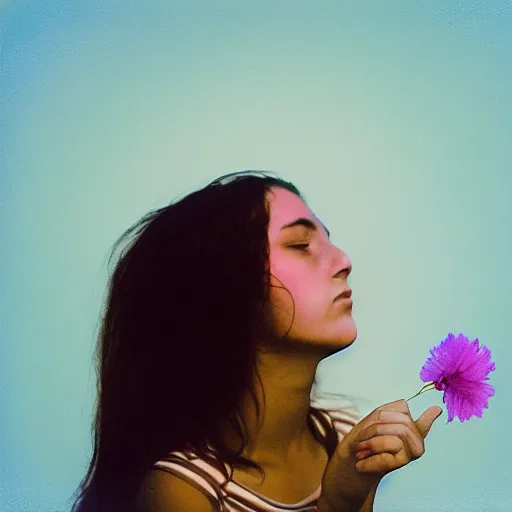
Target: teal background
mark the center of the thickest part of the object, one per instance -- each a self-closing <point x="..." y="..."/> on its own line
<point x="393" y="118"/>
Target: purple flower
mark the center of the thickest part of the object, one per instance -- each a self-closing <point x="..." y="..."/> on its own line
<point x="459" y="368"/>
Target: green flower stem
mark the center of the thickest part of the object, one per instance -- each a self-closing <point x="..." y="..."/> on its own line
<point x="430" y="385"/>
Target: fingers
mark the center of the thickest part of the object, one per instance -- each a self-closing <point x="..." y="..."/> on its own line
<point x="397" y="406"/>
<point x="422" y="424"/>
<point x="400" y="406"/>
<point x="382" y="463"/>
<point x="389" y="438"/>
<point x="383" y="455"/>
<point x="362" y="454"/>
<point x="401" y="427"/>
<point x="380" y="444"/>
<point x="426" y="420"/>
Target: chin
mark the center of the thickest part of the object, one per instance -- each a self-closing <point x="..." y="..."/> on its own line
<point x="348" y="340"/>
<point x="349" y="333"/>
<point x="340" y="344"/>
<point x="338" y="338"/>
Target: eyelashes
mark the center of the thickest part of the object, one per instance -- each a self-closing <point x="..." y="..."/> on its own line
<point x="300" y="247"/>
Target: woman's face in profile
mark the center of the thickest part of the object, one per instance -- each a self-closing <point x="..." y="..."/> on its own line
<point x="313" y="270"/>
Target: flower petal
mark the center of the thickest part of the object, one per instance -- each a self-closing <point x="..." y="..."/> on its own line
<point x="459" y="367"/>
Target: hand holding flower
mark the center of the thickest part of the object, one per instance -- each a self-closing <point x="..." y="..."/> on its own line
<point x="393" y="440"/>
<point x="388" y="438"/>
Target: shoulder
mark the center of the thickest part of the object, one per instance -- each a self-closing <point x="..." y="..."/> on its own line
<point x="162" y="491"/>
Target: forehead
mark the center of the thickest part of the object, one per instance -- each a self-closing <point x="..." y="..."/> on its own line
<point x="285" y="207"/>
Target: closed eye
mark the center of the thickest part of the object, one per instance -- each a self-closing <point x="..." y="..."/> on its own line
<point x="301" y="246"/>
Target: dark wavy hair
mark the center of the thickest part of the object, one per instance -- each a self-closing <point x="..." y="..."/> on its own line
<point x="177" y="345"/>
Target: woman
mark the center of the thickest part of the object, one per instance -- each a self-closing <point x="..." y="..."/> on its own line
<point x="217" y="316"/>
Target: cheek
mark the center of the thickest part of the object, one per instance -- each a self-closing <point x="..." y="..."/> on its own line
<point x="285" y="306"/>
<point x="290" y="287"/>
<point x="294" y="274"/>
<point x="282" y="299"/>
<point x="297" y="303"/>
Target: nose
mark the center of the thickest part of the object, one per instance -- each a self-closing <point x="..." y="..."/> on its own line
<point x="345" y="270"/>
<point x="346" y="264"/>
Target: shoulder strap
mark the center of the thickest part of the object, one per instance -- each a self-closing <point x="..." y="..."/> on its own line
<point x="198" y="473"/>
<point x="329" y="436"/>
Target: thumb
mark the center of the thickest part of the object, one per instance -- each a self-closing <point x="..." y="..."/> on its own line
<point x="425" y="421"/>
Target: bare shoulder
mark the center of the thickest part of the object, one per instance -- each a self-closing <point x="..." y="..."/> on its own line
<point x="164" y="492"/>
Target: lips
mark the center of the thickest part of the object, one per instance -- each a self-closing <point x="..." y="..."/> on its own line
<point x="344" y="295"/>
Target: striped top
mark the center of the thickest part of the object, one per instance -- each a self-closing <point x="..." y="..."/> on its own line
<point x="234" y="497"/>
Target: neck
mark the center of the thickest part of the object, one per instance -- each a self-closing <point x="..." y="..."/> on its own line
<point x="282" y="431"/>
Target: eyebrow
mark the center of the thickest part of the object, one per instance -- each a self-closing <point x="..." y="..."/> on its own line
<point x="307" y="223"/>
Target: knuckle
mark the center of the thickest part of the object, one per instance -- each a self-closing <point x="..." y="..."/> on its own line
<point x="403" y="459"/>
<point x="416" y="454"/>
<point x="388" y="444"/>
<point x="411" y="424"/>
<point x="404" y="406"/>
<point x="388" y="460"/>
<point x="420" y="446"/>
